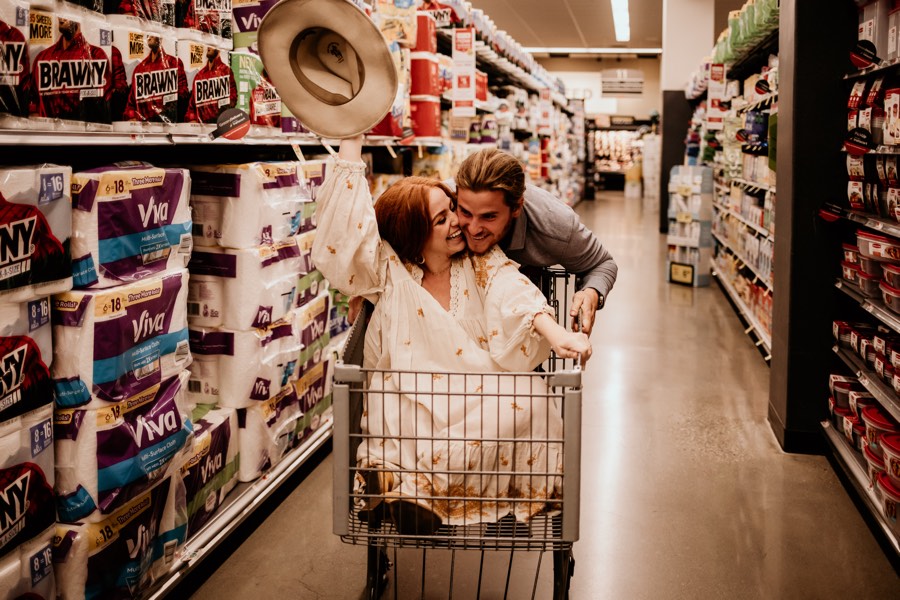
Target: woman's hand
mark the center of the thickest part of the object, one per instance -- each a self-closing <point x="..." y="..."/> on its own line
<point x="571" y="344"/>
<point x="351" y="149"/>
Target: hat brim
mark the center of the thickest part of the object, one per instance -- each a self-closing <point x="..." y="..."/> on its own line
<point x="277" y="32"/>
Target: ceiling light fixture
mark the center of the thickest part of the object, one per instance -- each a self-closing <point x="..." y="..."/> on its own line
<point x="621" y="20"/>
<point x="559" y="50"/>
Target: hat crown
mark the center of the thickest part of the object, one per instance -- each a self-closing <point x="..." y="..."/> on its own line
<point x="327" y="66"/>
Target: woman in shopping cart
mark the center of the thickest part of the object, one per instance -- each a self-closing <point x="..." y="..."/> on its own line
<point x="439" y="308"/>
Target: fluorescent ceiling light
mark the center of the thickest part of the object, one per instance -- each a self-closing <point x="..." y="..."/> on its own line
<point x="621" y="20"/>
<point x="594" y="50"/>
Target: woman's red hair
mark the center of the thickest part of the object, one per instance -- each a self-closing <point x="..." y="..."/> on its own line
<point x="404" y="217"/>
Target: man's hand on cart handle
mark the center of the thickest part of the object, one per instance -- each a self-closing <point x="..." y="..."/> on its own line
<point x="585" y="302"/>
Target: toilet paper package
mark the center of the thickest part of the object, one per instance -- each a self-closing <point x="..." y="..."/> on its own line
<point x="107" y="456"/>
<point x="313" y="323"/>
<point x="35" y="231"/>
<point x="26" y="478"/>
<point x="314" y="395"/>
<point x="248" y="14"/>
<point x="129" y="223"/>
<point x="157" y="83"/>
<point x="14" y="71"/>
<point x="113" y="344"/>
<point x="256" y="93"/>
<point x="210" y="82"/>
<point x="243" y="289"/>
<point x="27" y="572"/>
<point x="266" y="431"/>
<point x="238" y="369"/>
<point x="239" y="206"/>
<point x="208" y="16"/>
<point x="121" y="556"/>
<point x="305" y="243"/>
<point x="211" y="471"/>
<point x="26" y="347"/>
<point x="313" y="177"/>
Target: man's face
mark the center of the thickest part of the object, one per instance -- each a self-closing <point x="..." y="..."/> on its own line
<point x="153" y="43"/>
<point x="211" y="53"/>
<point x="484" y="218"/>
<point x="68" y="28"/>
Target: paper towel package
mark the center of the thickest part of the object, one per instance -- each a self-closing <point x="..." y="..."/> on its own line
<point x="265" y="432"/>
<point x="314" y="395"/>
<point x="26" y="573"/>
<point x="309" y="286"/>
<point x="14" y="72"/>
<point x="305" y="243"/>
<point x="210" y="82"/>
<point x="243" y="289"/>
<point x="248" y="14"/>
<point x="129" y="223"/>
<point x="35" y="231"/>
<point x="240" y="206"/>
<point x="157" y="83"/>
<point x="313" y="322"/>
<point x="112" y="344"/>
<point x="106" y="457"/>
<point x="313" y="177"/>
<point x="26" y="478"/>
<point x="158" y="11"/>
<point x="122" y="555"/>
<point x="26" y="347"/>
<point x="211" y="471"/>
<point x="257" y="95"/>
<point x="238" y="369"/>
<point x="208" y="16"/>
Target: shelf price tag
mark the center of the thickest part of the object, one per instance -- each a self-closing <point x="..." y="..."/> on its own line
<point x="875" y="224"/>
<point x="684" y="217"/>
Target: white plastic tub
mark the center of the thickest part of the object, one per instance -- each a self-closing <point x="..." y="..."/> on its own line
<point x="891" y="296"/>
<point x="878" y="247"/>
<point x="890" y="444"/>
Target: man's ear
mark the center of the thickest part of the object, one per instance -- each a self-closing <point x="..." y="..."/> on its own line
<point x="518" y="209"/>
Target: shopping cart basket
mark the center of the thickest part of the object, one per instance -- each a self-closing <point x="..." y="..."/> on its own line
<point x="506" y="477"/>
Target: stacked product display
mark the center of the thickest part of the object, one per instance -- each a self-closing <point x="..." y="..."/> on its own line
<point x="690" y="226"/>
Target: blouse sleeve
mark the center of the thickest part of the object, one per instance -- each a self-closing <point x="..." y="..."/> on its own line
<point x="348" y="249"/>
<point x="511" y="304"/>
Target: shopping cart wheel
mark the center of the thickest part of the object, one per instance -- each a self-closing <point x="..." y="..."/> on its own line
<point x="377" y="568"/>
<point x="563" y="569"/>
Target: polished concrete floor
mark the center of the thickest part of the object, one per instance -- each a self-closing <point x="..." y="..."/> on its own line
<point x="686" y="493"/>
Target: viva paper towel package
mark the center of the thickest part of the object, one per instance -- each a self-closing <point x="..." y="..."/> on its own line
<point x="157" y="83"/>
<point x="130" y="222"/>
<point x="112" y="345"/>
<point x="238" y="369"/>
<point x="314" y="335"/>
<point x="248" y="14"/>
<point x="211" y="471"/>
<point x="314" y="395"/>
<point x="266" y="431"/>
<point x="239" y="206"/>
<point x="14" y="63"/>
<point x="243" y="289"/>
<point x="26" y="348"/>
<point x="35" y="227"/>
<point x="122" y="555"/>
<point x="26" y="478"/>
<point x="26" y="573"/>
<point x="211" y="86"/>
<point x="106" y="457"/>
<point x="256" y="94"/>
<point x="309" y="286"/>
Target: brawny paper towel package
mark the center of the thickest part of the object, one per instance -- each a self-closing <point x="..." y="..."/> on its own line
<point x="243" y="289"/>
<point x="238" y="369"/>
<point x="26" y="478"/>
<point x="27" y="572"/>
<point x="35" y="227"/>
<point x="129" y="223"/>
<point x="210" y="83"/>
<point x="106" y="457"/>
<point x="26" y="346"/>
<point x="14" y="71"/>
<point x="313" y="322"/>
<point x="241" y="206"/>
<point x="122" y="555"/>
<point x="114" y="344"/>
<point x="266" y="432"/>
<point x="211" y="471"/>
<point x="208" y="16"/>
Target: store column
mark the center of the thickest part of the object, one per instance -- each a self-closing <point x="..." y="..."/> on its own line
<point x="688" y="36"/>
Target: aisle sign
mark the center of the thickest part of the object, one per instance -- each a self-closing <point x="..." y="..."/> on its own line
<point x="463" y="72"/>
<point x="681" y="273"/>
<point x="715" y="115"/>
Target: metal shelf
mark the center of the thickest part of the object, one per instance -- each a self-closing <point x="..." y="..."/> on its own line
<point x="763" y="338"/>
<point x="871" y="305"/>
<point x="886" y="226"/>
<point x="761" y="231"/>
<point x="762" y="103"/>
<point x="755" y="58"/>
<point x="884" y="68"/>
<point x="759" y="277"/>
<point x="883" y="393"/>
<point x="752" y="186"/>
<point x="854" y="465"/>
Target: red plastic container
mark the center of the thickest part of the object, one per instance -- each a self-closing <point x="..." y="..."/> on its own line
<point x="850" y="272"/>
<point x="851" y="253"/>
<point x="860" y="400"/>
<point x="870" y="266"/>
<point x="869" y="284"/>
<point x="879" y="247"/>
<point x="890" y="444"/>
<point x="878" y="423"/>
<point x="891" y="297"/>
<point x="892" y="274"/>
<point x="425" y="78"/>
<point x="426" y="33"/>
<point x="890" y="499"/>
<point x="875" y="466"/>
<point x="481" y="86"/>
<point x="839" y="415"/>
<point x="426" y="115"/>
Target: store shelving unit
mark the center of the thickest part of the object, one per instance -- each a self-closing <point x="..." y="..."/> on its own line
<point x="884" y="393"/>
<point x="762" y="337"/>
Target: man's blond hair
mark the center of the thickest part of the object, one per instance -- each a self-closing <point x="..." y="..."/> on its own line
<point x="493" y="170"/>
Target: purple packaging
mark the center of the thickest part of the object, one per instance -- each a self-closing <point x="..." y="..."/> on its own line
<point x="248" y="15"/>
<point x="114" y="344"/>
<point x="313" y="323"/>
<point x="26" y="348"/>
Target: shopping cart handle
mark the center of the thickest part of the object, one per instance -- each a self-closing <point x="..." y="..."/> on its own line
<point x="344" y="373"/>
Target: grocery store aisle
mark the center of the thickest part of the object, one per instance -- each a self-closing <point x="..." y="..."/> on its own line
<point x="686" y="493"/>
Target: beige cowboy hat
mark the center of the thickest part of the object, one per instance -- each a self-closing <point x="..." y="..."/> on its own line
<point x="330" y="65"/>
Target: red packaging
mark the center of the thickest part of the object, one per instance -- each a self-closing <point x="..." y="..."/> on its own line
<point x="426" y="33"/>
<point x="481" y="85"/>
<point x="425" y="74"/>
<point x="426" y="116"/>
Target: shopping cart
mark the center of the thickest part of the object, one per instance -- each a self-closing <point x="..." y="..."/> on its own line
<point x="505" y="478"/>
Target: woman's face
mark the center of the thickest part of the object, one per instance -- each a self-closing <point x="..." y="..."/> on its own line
<point x="446" y="237"/>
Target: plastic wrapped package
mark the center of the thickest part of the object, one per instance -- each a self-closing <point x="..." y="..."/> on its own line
<point x="15" y="65"/>
<point x="211" y="85"/>
<point x="266" y="431"/>
<point x="207" y="16"/>
<point x="257" y="95"/>
<point x="26" y="348"/>
<point x="26" y="573"/>
<point x="248" y="14"/>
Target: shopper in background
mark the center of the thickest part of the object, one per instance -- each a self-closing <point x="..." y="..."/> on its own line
<point x="438" y="308"/>
<point x="534" y="228"/>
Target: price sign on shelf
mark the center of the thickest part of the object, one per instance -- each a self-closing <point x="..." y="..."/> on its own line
<point x="463" y="72"/>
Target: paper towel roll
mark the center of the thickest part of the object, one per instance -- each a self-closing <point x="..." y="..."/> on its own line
<point x="314" y="396"/>
<point x="207" y="16"/>
<point x="35" y="577"/>
<point x="26" y="347"/>
<point x="210" y="84"/>
<point x="129" y="223"/>
<point x="36" y="221"/>
<point x="14" y="86"/>
<point x="238" y="369"/>
<point x="113" y="344"/>
<point x="313" y="323"/>
<point x="26" y="478"/>
<point x="105" y="457"/>
<point x="121" y="556"/>
<point x="211" y="471"/>
<point x="242" y="289"/>
<point x="305" y="242"/>
<point x="265" y="432"/>
<point x="240" y="206"/>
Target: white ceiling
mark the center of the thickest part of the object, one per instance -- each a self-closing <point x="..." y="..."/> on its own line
<point x="574" y="23"/>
